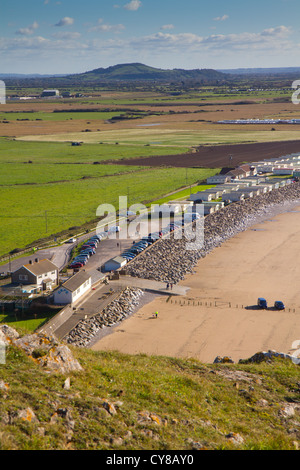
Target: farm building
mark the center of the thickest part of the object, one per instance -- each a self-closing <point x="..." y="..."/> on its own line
<point x="237" y="173"/>
<point x="49" y="93"/>
<point x="41" y="273"/>
<point x="73" y="289"/>
<point x="115" y="263"/>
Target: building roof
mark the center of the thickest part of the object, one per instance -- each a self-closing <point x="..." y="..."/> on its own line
<point x="118" y="260"/>
<point x="40" y="267"/>
<point x="76" y="281"/>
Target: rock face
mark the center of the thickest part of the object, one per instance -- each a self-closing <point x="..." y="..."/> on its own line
<point x="114" y="313"/>
<point x="169" y="260"/>
<point x="44" y="350"/>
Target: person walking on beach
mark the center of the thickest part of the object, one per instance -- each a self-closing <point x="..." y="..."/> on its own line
<point x="156" y="314"/>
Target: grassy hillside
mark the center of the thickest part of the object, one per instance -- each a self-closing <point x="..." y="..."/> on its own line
<point x="137" y="71"/>
<point x="138" y="402"/>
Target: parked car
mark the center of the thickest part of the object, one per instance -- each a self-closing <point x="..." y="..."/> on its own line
<point x="72" y="240"/>
<point x="136" y="250"/>
<point x="88" y="246"/>
<point x="80" y="260"/>
<point x="76" y="265"/>
<point x="262" y="303"/>
<point x="141" y="244"/>
<point x="279" y="305"/>
<point x="86" y="251"/>
<point x="128" y="256"/>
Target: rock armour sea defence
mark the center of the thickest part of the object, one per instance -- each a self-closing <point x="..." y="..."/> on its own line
<point x="114" y="313"/>
<point x="169" y="260"/>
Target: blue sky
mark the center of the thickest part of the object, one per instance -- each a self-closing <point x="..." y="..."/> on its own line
<point x="68" y="36"/>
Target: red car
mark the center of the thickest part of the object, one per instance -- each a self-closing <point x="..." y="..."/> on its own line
<point x="76" y="265"/>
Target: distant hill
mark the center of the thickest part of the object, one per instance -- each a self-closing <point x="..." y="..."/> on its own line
<point x="262" y="71"/>
<point x="141" y="72"/>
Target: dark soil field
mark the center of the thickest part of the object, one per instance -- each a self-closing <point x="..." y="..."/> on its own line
<point x="220" y="155"/>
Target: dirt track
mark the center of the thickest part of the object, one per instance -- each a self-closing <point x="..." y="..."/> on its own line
<point x="218" y="156"/>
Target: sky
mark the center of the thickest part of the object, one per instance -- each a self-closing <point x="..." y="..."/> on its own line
<point x="71" y="36"/>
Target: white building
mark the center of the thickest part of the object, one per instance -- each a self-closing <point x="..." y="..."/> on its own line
<point x="43" y="274"/>
<point x="73" y="289"/>
<point x="49" y="93"/>
<point x="218" y="179"/>
<point x="283" y="171"/>
<point x="115" y="263"/>
<point x="233" y="197"/>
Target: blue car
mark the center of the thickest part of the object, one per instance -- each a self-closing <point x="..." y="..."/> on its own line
<point x="262" y="303"/>
<point x="279" y="305"/>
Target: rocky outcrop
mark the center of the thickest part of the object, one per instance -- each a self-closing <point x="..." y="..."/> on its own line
<point x="42" y="349"/>
<point x="114" y="313"/>
<point x="169" y="260"/>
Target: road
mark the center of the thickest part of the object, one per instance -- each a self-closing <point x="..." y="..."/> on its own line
<point x="60" y="255"/>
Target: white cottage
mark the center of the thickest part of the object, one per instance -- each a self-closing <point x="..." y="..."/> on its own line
<point x="73" y="289"/>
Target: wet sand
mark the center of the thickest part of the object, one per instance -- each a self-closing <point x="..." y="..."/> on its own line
<point x="262" y="261"/>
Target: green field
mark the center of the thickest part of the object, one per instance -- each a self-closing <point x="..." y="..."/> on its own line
<point x="24" y="173"/>
<point x="176" y="136"/>
<point x="20" y="151"/>
<point x="62" y="188"/>
<point x="57" y="116"/>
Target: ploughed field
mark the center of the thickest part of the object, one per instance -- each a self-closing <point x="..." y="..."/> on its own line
<point x="220" y="155"/>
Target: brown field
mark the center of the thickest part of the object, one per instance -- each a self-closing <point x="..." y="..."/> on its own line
<point x="218" y="156"/>
<point x="202" y="116"/>
<point x="172" y="117"/>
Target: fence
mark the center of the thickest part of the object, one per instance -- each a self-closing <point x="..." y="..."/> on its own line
<point x="218" y="304"/>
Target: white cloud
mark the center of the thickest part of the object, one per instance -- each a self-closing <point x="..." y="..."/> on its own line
<point x="106" y="27"/>
<point x="221" y="18"/>
<point x="66" y="21"/>
<point x="167" y="26"/>
<point x="133" y="5"/>
<point x="66" y="35"/>
<point x="268" y="38"/>
<point x="29" y="30"/>
<point x="184" y="50"/>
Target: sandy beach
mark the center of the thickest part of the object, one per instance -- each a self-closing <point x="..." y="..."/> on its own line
<point x="262" y="261"/>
